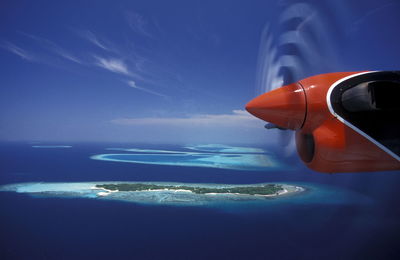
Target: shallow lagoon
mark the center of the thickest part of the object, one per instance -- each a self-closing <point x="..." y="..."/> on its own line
<point x="335" y="214"/>
<point x="212" y="156"/>
<point x="250" y="162"/>
<point x="224" y="148"/>
<point x="51" y="146"/>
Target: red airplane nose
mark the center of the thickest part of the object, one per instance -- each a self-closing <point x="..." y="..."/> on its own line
<point x="284" y="107"/>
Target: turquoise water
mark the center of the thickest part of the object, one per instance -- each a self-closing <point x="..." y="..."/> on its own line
<point x="137" y="150"/>
<point x="250" y="162"/>
<point x="224" y="148"/>
<point x="52" y="210"/>
<point x="213" y="156"/>
<point x="51" y="146"/>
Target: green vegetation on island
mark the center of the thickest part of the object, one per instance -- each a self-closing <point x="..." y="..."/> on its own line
<point x="267" y="189"/>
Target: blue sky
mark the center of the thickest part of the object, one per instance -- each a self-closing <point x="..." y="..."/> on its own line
<point x="165" y="71"/>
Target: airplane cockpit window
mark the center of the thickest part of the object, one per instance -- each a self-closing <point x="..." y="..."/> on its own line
<point x="372" y="96"/>
<point x="370" y="102"/>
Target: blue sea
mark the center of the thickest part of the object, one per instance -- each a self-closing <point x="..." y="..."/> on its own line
<point x="339" y="216"/>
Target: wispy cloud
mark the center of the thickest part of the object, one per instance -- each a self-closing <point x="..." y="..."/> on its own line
<point x="370" y="13"/>
<point x="68" y="56"/>
<point x="18" y="51"/>
<point x="91" y="37"/>
<point x="132" y="84"/>
<point x="112" y="64"/>
<point x="137" y="23"/>
<point x="238" y="118"/>
<point x="55" y="48"/>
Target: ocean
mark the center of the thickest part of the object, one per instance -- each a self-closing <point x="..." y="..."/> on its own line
<point x="346" y="216"/>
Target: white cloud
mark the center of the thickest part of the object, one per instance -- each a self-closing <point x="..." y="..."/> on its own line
<point x="53" y="47"/>
<point x="238" y="118"/>
<point x="18" y="51"/>
<point x="137" y="23"/>
<point x="68" y="56"/>
<point x="367" y="15"/>
<point x="132" y="84"/>
<point x="112" y="64"/>
<point x="91" y="37"/>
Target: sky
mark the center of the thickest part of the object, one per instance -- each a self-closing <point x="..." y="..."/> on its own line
<point x="171" y="71"/>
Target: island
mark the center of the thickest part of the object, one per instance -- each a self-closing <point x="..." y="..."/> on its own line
<point x="165" y="193"/>
<point x="267" y="189"/>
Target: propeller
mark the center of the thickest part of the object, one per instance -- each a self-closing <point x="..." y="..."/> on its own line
<point x="302" y="47"/>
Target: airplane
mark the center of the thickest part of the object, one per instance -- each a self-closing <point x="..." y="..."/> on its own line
<point x="343" y="121"/>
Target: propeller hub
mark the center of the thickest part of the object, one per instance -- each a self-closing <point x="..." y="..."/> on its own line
<point x="284" y="107"/>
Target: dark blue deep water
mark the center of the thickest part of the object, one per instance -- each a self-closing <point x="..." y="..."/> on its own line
<point x="359" y="221"/>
